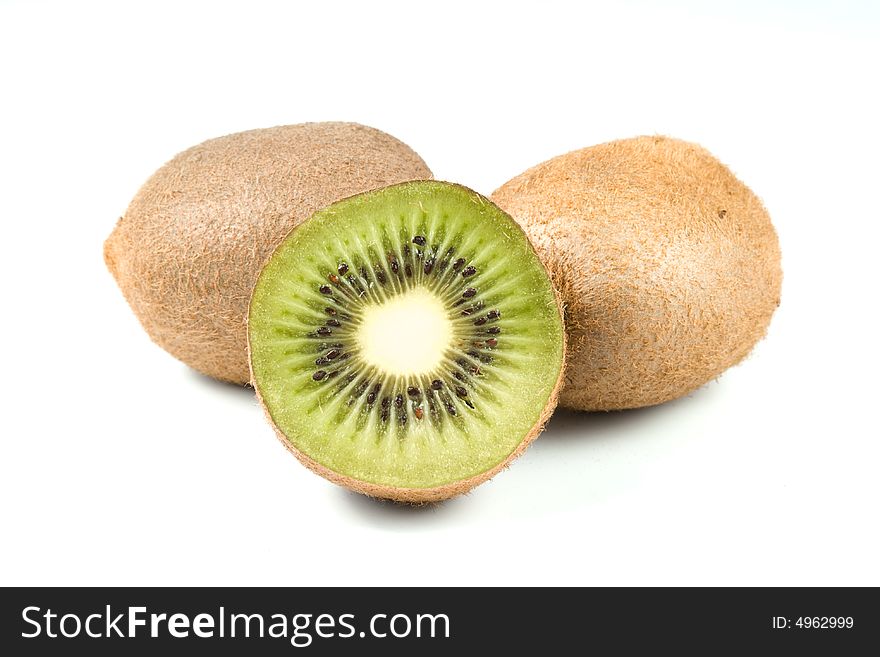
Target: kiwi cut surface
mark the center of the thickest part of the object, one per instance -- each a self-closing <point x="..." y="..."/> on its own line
<point x="407" y="342"/>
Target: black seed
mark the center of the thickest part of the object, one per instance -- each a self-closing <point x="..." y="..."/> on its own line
<point x="319" y="375"/>
<point x="480" y="321"/>
<point x="458" y="264"/>
<point x="468" y="293"/>
<point x="392" y="262"/>
<point x="332" y="374"/>
<point x="450" y="408"/>
<point x="418" y="239"/>
<point x="493" y="314"/>
<point x="380" y="276"/>
<point x="333" y="353"/>
<point x="322" y="361"/>
<point x="443" y="265"/>
<point x="351" y="377"/>
<point x="406" y="249"/>
<point x="371" y="398"/>
<point x="386" y="402"/>
<point x="473" y="353"/>
<point x="467" y="311"/>
<point x="429" y="265"/>
<point x="330" y="311"/>
<point x="398" y="401"/>
<point x="491" y="342"/>
<point x="323" y="330"/>
<point x="436" y="384"/>
<point x="325" y="289"/>
<point x="493" y="330"/>
<point x="412" y="391"/>
<point x="333" y="322"/>
<point x="458" y="375"/>
<point x="469" y="271"/>
<point x="460" y="391"/>
<point x="345" y="356"/>
<point x="486" y="358"/>
<point x="450" y="251"/>
<point x="407" y="270"/>
<point x="384" y="415"/>
<point x="342" y="269"/>
<point x="461" y="362"/>
<point x="468" y="402"/>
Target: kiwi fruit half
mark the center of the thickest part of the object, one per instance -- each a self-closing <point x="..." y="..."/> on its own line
<point x="668" y="265"/>
<point x="407" y="343"/>
<point x="189" y="248"/>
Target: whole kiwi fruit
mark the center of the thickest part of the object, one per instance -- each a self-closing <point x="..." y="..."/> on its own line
<point x="190" y="246"/>
<point x="668" y="265"/>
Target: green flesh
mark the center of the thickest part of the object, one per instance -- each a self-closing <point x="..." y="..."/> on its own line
<point x="313" y="380"/>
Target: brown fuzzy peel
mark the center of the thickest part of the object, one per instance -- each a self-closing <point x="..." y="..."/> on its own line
<point x="668" y="265"/>
<point x="191" y="244"/>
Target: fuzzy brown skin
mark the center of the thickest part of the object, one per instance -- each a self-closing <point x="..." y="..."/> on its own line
<point x="668" y="265"/>
<point x="437" y="493"/>
<point x="191" y="244"/>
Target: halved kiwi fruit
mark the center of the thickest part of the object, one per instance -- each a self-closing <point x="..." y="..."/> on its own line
<point x="407" y="342"/>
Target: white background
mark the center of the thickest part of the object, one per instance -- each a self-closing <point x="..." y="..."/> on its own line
<point x="121" y="466"/>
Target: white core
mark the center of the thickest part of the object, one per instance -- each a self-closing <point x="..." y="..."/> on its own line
<point x="406" y="335"/>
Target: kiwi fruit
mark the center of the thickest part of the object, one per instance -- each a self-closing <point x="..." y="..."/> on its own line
<point x="406" y="343"/>
<point x="668" y="266"/>
<point x="190" y="246"/>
